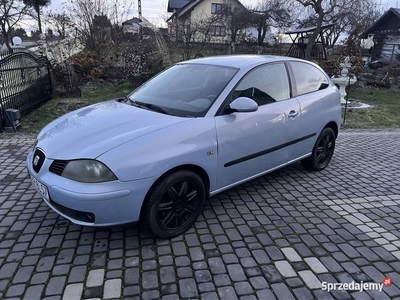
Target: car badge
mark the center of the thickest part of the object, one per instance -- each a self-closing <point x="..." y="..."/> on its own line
<point x="36" y="160"/>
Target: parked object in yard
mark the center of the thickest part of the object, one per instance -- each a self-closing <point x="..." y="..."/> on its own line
<point x="25" y="83"/>
<point x="375" y="64"/>
<point x="198" y="128"/>
<point x="345" y="79"/>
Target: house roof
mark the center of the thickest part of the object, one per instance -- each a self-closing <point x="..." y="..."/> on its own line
<point x="308" y="29"/>
<point x="132" y="21"/>
<point x="136" y="22"/>
<point x="390" y="17"/>
<point x="176" y="4"/>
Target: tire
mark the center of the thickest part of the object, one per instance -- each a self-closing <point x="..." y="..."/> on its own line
<point x="174" y="204"/>
<point x="322" y="152"/>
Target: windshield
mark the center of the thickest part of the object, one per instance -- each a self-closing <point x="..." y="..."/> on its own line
<point x="186" y="90"/>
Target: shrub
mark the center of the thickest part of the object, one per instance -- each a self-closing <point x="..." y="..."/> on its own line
<point x="85" y="65"/>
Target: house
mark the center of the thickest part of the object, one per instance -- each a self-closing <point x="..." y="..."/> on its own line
<point x="386" y="36"/>
<point x="133" y="26"/>
<point x="204" y="18"/>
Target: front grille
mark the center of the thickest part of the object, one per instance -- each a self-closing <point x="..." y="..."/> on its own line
<point x="75" y="214"/>
<point x="38" y="159"/>
<point x="58" y="166"/>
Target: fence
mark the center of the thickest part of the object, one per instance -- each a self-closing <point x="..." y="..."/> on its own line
<point x="25" y="83"/>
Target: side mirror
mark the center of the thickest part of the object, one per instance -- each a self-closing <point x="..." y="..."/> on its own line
<point x="242" y="104"/>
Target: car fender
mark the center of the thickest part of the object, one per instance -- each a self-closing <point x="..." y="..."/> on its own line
<point x="152" y="155"/>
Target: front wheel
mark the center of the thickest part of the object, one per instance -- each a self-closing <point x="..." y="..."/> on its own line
<point x="322" y="152"/>
<point x="174" y="204"/>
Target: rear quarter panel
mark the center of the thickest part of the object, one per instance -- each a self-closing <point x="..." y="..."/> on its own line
<point x="317" y="110"/>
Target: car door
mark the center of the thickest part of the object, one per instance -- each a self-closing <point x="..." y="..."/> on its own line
<point x="318" y="103"/>
<point x="252" y="143"/>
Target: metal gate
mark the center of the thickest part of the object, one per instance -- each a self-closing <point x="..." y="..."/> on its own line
<point x="25" y="83"/>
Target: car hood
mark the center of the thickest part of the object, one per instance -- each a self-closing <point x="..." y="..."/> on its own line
<point x="96" y="129"/>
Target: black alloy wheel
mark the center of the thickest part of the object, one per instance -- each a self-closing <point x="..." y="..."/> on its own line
<point x="322" y="152"/>
<point x="175" y="203"/>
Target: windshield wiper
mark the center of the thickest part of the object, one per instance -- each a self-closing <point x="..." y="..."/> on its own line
<point x="149" y="106"/>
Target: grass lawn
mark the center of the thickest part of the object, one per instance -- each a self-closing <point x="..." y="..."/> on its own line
<point x="92" y="93"/>
<point x="385" y="111"/>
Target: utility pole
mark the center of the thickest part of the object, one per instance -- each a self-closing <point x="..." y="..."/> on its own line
<point x="140" y="35"/>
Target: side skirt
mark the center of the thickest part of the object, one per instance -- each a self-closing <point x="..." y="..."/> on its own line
<point x="258" y="175"/>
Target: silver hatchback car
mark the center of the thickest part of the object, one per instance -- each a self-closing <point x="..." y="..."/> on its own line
<point x="198" y="128"/>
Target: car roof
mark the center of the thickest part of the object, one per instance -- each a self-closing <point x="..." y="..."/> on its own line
<point x="238" y="61"/>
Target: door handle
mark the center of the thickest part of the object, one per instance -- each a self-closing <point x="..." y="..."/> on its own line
<point x="293" y="114"/>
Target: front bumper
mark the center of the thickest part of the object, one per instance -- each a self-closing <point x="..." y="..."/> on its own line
<point x="92" y="204"/>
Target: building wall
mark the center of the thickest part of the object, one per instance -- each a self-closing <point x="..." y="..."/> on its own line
<point x="131" y="28"/>
<point x="202" y="12"/>
<point x="204" y="8"/>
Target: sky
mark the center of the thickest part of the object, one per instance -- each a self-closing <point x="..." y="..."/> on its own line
<point x="156" y="10"/>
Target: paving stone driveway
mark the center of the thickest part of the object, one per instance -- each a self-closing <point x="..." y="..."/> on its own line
<point x="279" y="236"/>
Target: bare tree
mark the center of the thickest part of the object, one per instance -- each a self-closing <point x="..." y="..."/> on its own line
<point x="360" y="16"/>
<point x="11" y="13"/>
<point x="101" y="33"/>
<point x="347" y="15"/>
<point x="140" y="64"/>
<point x="236" y="18"/>
<point x="36" y="5"/>
<point x="270" y="13"/>
<point x="60" y="22"/>
<point x="320" y="8"/>
<point x="190" y="36"/>
<point x="84" y="13"/>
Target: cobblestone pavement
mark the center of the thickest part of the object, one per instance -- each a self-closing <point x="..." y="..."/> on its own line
<point x="279" y="236"/>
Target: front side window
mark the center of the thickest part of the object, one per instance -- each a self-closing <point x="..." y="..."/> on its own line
<point x="266" y="84"/>
<point x="186" y="90"/>
<point x="308" y="78"/>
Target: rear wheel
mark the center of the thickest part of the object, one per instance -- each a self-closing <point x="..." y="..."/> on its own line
<point x="175" y="203"/>
<point x="322" y="152"/>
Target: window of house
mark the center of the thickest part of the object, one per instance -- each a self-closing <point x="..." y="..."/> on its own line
<point x="308" y="78"/>
<point x="171" y="29"/>
<point x="187" y="29"/>
<point x="216" y="30"/>
<point x="217" y="8"/>
<point x="266" y="84"/>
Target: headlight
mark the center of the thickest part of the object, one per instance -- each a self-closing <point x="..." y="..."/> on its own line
<point x="90" y="171"/>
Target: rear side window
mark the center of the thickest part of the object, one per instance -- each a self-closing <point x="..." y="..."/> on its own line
<point x="308" y="78"/>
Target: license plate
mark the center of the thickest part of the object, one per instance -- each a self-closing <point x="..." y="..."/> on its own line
<point x="41" y="188"/>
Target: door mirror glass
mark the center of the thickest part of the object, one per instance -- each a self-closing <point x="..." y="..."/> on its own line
<point x="242" y="104"/>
